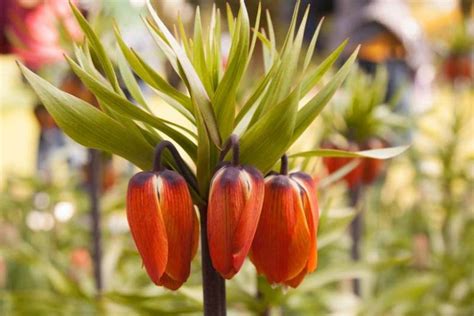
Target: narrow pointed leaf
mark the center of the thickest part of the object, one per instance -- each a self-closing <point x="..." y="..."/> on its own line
<point x="195" y="85"/>
<point x="89" y="126"/>
<point x="311" y="80"/>
<point x="268" y="139"/>
<point x="124" y="107"/>
<point x="225" y="97"/>
<point x="144" y="71"/>
<point x="97" y="47"/>
<point x="312" y="45"/>
<point x="311" y="110"/>
<point x="382" y="153"/>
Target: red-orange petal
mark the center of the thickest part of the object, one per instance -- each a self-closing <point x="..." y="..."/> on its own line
<point x="146" y="223"/>
<point x="235" y="200"/>
<point x="170" y="283"/>
<point x="250" y="215"/>
<point x="281" y="245"/>
<point x="179" y="219"/>
<point x="294" y="282"/>
<point x="310" y="202"/>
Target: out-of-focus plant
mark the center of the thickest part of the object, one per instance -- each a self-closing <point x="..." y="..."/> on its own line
<point x="459" y="59"/>
<point x="358" y="119"/>
<point x="38" y="32"/>
<point x="45" y="263"/>
<point x="267" y="119"/>
<point x="430" y="202"/>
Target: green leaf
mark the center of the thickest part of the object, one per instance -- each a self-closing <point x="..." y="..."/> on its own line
<point x="333" y="225"/>
<point x="318" y="279"/>
<point x="199" y="56"/>
<point x="269" y="138"/>
<point x="410" y="289"/>
<point x="382" y="153"/>
<point x="259" y="89"/>
<point x="98" y="48"/>
<point x="312" y="45"/>
<point x="311" y="80"/>
<point x="225" y="97"/>
<point x="144" y="71"/>
<point x="339" y="173"/>
<point x="124" y="107"/>
<point x="280" y="86"/>
<point x="131" y="82"/>
<point x="255" y="32"/>
<point x="87" y="125"/>
<point x="194" y="84"/>
<point x="311" y="110"/>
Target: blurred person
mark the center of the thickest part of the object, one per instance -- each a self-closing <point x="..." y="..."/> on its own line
<point x="31" y="30"/>
<point x="389" y="36"/>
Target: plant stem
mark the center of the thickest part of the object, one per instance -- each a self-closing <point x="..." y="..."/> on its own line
<point x="213" y="284"/>
<point x="261" y="283"/>
<point x="232" y="143"/>
<point x="182" y="167"/>
<point x="284" y="165"/>
<point x="94" y="194"/>
<point x="356" y="234"/>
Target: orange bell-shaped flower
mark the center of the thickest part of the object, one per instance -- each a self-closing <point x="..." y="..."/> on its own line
<point x="235" y="204"/>
<point x="163" y="224"/>
<point x="285" y="245"/>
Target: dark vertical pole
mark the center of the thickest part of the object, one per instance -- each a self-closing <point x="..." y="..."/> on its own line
<point x="95" y="182"/>
<point x="213" y="284"/>
<point x="356" y="234"/>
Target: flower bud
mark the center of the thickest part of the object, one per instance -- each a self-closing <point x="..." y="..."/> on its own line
<point x="163" y="224"/>
<point x="235" y="203"/>
<point x="354" y="177"/>
<point x="372" y="167"/>
<point x="284" y="248"/>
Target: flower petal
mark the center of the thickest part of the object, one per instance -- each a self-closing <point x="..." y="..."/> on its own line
<point x="146" y="224"/>
<point x="311" y="209"/>
<point x="252" y="182"/>
<point x="178" y="215"/>
<point x="281" y="245"/>
<point x="168" y="282"/>
<point x="226" y="200"/>
<point x="294" y="282"/>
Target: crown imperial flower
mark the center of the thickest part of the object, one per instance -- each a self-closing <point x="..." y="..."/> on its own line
<point x="235" y="203"/>
<point x="285" y="245"/>
<point x="163" y="224"/>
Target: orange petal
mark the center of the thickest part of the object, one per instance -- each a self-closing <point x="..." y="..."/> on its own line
<point x="294" y="282"/>
<point x="146" y="223"/>
<point x="252" y="181"/>
<point x="178" y="216"/>
<point x="281" y="245"/>
<point x="170" y="283"/>
<point x="227" y="198"/>
<point x="311" y="209"/>
<point x="235" y="204"/>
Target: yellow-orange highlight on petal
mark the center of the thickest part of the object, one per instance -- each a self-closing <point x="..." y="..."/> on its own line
<point x="163" y="224"/>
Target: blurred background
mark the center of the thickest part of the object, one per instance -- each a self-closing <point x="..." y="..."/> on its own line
<point x="396" y="238"/>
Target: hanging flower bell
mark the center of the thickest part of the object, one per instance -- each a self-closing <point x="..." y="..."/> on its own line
<point x="235" y="203"/>
<point x="285" y="245"/>
<point x="163" y="222"/>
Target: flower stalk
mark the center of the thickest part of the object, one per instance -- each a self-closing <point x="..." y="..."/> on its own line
<point x="212" y="282"/>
